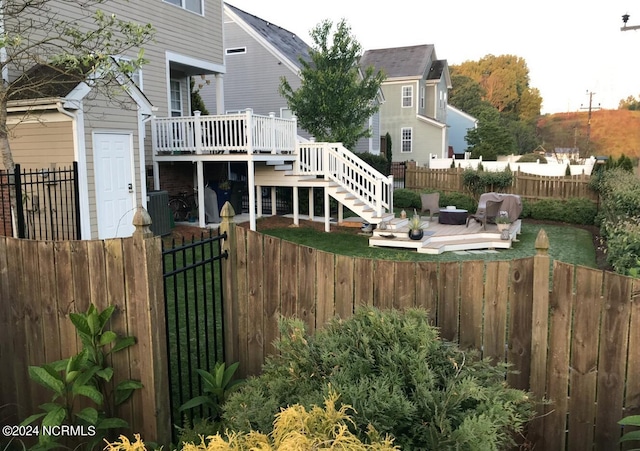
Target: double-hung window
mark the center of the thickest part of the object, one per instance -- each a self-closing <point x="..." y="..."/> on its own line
<point x="406" y="139"/>
<point x="195" y="6"/>
<point x="407" y="96"/>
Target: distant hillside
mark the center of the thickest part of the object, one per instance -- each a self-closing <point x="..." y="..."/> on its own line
<point x="613" y="132"/>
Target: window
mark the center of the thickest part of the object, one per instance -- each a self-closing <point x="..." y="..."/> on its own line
<point x="422" y="97"/>
<point x="175" y="91"/>
<point x="136" y="76"/>
<point x="407" y="96"/>
<point x="190" y="5"/>
<point x="236" y="51"/>
<point x="406" y="139"/>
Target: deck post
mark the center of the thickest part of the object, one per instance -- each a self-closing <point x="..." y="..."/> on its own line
<point x="200" y="193"/>
<point x="272" y="116"/>
<point x="311" y="206"/>
<point x="197" y="130"/>
<point x="327" y="210"/>
<point x="274" y="211"/>
<point x="252" y="193"/>
<point x="296" y="207"/>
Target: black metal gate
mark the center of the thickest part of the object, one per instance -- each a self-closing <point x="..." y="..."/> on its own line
<point x="398" y="170"/>
<point x="47" y="203"/>
<point x="194" y="308"/>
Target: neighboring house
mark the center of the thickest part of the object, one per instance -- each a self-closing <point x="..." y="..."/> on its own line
<point x="257" y="55"/>
<point x="415" y="109"/>
<point x="459" y="124"/>
<point x="111" y="141"/>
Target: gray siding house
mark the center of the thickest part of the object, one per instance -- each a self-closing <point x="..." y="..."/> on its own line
<point x="415" y="109"/>
<point x="111" y="141"/>
<point x="257" y="54"/>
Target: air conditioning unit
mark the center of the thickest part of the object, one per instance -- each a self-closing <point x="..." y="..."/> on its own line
<point x="158" y="208"/>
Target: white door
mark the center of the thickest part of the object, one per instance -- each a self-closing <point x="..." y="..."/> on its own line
<point x="114" y="184"/>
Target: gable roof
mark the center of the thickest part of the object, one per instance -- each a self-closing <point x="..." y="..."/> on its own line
<point x="284" y="41"/>
<point x="400" y="61"/>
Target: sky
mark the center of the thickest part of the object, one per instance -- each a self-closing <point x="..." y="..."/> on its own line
<point x="572" y="48"/>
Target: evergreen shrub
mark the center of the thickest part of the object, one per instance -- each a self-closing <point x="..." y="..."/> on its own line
<point x="406" y="198"/>
<point x="400" y="377"/>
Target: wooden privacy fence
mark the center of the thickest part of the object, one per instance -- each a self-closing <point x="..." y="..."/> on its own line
<point x="534" y="187"/>
<point x="571" y="343"/>
<point x="41" y="282"/>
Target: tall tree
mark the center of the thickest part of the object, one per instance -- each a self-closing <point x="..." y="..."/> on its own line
<point x="36" y="33"/>
<point x="630" y="103"/>
<point x="336" y="97"/>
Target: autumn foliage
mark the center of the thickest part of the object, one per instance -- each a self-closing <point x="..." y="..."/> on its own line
<point x="613" y="132"/>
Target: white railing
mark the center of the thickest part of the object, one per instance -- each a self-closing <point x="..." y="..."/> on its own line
<point x="223" y="134"/>
<point x="342" y="166"/>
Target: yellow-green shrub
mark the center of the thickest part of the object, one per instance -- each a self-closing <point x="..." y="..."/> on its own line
<point x="294" y="428"/>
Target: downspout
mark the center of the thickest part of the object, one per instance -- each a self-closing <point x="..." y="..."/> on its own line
<point x="80" y="155"/>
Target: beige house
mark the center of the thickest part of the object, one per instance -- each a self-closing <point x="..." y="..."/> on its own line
<point x="110" y="138"/>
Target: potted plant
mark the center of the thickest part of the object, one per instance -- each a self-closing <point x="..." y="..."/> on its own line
<point x="503" y="221"/>
<point x="415" y="227"/>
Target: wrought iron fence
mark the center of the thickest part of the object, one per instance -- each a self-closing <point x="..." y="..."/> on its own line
<point x="46" y="207"/>
<point x="193" y="301"/>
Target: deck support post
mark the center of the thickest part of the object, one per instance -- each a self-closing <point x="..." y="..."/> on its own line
<point x="327" y="211"/>
<point x="251" y="176"/>
<point x="200" y="193"/>
<point x="296" y="207"/>
<point x="273" y="201"/>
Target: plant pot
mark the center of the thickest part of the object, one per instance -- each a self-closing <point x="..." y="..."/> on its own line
<point x="502" y="227"/>
<point x="416" y="234"/>
<point x="504" y="234"/>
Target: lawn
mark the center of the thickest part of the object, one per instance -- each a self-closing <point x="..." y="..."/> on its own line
<point x="566" y="243"/>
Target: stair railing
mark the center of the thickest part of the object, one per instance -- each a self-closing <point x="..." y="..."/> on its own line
<point x="336" y="163"/>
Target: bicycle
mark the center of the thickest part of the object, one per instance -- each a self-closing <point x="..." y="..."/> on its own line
<point x="182" y="205"/>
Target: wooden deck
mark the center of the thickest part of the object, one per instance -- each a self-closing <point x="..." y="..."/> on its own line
<point x="439" y="238"/>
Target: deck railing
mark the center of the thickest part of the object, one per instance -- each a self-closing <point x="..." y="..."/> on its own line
<point x="218" y="134"/>
<point x="338" y="164"/>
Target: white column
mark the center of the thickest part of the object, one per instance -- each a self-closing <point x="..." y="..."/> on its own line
<point x="259" y="200"/>
<point x="251" y="184"/>
<point x="340" y="213"/>
<point x="327" y="210"/>
<point x="219" y="94"/>
<point x="200" y="180"/>
<point x="296" y="207"/>
<point x="273" y="201"/>
<point x="310" y="204"/>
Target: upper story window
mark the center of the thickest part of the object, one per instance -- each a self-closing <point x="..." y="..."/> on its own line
<point x="407" y="96"/>
<point x="175" y="91"/>
<point x="136" y="75"/>
<point x="406" y="143"/>
<point x="195" y="6"/>
<point x="422" y="97"/>
<point x="443" y="99"/>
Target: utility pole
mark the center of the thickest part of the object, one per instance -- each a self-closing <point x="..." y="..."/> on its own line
<point x="590" y="108"/>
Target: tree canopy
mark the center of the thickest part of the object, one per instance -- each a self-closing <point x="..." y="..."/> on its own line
<point x="336" y="97"/>
<point x="630" y="103"/>
<point x="37" y="34"/>
<point x="496" y="90"/>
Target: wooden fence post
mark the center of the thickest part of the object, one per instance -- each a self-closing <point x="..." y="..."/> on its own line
<point x="230" y="285"/>
<point x="146" y="313"/>
<point x="539" y="331"/>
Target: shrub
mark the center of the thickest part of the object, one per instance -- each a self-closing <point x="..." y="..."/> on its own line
<point x="459" y="200"/>
<point x="572" y="211"/>
<point x="623" y="245"/>
<point x="532" y="158"/>
<point x="405" y="198"/>
<point x="399" y="376"/>
<point x="478" y="182"/>
<point x="378" y="162"/>
<point x="294" y="428"/>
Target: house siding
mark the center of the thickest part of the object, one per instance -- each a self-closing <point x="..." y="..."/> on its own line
<point x="33" y="149"/>
<point x="248" y="87"/>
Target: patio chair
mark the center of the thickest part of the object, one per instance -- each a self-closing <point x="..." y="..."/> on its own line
<point x="489" y="213"/>
<point x="430" y="202"/>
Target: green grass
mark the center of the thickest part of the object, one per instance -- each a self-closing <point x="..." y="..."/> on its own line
<point x="566" y="243"/>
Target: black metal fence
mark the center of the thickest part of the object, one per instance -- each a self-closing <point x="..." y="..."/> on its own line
<point x="398" y="170"/>
<point x="193" y="301"/>
<point x="47" y="205"/>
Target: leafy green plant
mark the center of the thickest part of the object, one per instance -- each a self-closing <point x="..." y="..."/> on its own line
<point x="406" y="198"/>
<point x="460" y="200"/>
<point x="480" y="181"/>
<point x="85" y="376"/>
<point x="217" y="385"/>
<point x="632" y="436"/>
<point x="398" y="375"/>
